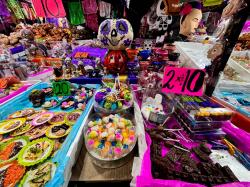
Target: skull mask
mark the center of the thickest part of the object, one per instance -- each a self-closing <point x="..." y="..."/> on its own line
<point x="115" y="34"/>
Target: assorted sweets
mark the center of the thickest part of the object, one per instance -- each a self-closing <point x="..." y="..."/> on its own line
<point x="113" y="98"/>
<point x="202" y="109"/>
<point x="110" y="137"/>
<point x="30" y="138"/>
<point x="52" y="103"/>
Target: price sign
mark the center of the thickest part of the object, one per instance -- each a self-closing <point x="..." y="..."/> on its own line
<point x="186" y="81"/>
<point x="61" y="88"/>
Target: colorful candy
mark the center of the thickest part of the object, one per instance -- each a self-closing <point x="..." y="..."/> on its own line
<point x="110" y="137"/>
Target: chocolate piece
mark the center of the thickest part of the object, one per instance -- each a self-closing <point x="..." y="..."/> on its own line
<point x="205" y="149"/>
<point x="228" y="172"/>
<point x="201" y="155"/>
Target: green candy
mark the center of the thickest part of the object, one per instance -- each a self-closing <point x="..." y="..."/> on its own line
<point x="118" y="144"/>
<point x="119" y="104"/>
<point x="107" y="105"/>
<point x="127" y="96"/>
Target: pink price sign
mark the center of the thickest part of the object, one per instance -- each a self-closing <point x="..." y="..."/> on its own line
<point x="186" y="81"/>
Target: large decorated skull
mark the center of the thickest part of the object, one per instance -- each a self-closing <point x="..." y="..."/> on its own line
<point x="115" y="34"/>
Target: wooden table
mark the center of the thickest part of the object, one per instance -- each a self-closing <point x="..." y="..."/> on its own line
<point x="85" y="171"/>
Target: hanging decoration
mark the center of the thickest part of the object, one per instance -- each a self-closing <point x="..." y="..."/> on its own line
<point x="3" y="9"/>
<point x="207" y="3"/>
<point x="90" y="12"/>
<point x="75" y="13"/>
<point x="15" y="7"/>
<point x="49" y="8"/>
<point x="160" y="21"/>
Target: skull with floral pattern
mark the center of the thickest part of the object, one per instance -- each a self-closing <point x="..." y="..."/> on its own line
<point x="115" y="34"/>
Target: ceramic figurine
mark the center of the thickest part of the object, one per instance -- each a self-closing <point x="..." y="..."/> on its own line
<point x="81" y="69"/>
<point x="116" y="35"/>
<point x="70" y="67"/>
<point x="190" y="18"/>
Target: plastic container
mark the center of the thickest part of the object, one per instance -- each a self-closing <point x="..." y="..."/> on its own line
<point x="187" y="111"/>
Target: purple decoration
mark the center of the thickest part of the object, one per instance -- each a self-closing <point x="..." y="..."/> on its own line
<point x="104" y="41"/>
<point x="92" y="51"/>
<point x="3" y="9"/>
<point x="127" y="42"/>
<point x="99" y="97"/>
<point x="108" y="89"/>
<point x="105" y="27"/>
<point x="122" y="27"/>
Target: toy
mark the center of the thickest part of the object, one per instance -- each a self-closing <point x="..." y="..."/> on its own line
<point x="116" y="35"/>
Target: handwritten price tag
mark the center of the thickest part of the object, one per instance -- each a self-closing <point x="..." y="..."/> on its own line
<point x="186" y="81"/>
<point x="61" y="88"/>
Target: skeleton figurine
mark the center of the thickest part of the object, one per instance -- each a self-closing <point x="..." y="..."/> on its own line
<point x="70" y="68"/>
<point x="80" y="68"/>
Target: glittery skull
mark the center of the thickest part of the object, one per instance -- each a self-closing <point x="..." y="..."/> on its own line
<point x="115" y="34"/>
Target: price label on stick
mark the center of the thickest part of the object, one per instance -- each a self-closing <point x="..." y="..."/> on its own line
<point x="61" y="88"/>
<point x="186" y="81"/>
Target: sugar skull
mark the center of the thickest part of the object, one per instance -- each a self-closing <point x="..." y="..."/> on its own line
<point x="115" y="34"/>
<point x="115" y="61"/>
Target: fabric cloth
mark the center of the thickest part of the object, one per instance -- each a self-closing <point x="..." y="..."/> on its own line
<point x="3" y="8"/>
<point x="89" y="6"/>
<point x="105" y="9"/>
<point x="15" y="7"/>
<point x="49" y="8"/>
<point x="92" y="22"/>
<point x="76" y="16"/>
<point x="28" y="11"/>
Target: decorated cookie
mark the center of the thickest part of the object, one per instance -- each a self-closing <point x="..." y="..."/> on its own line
<point x="22" y="113"/>
<point x="52" y="103"/>
<point x="9" y="150"/>
<point x="48" y="91"/>
<point x="58" y="131"/>
<point x="11" y="125"/>
<point x="22" y="129"/>
<point x="39" y="176"/>
<point x="36" y="132"/>
<point x="67" y="103"/>
<point x="35" y="152"/>
<point x="11" y="174"/>
<point x="72" y="117"/>
<point x="42" y="118"/>
<point x="58" y="118"/>
<point x="37" y="113"/>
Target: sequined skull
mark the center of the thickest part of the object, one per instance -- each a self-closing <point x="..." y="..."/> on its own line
<point x="115" y="34"/>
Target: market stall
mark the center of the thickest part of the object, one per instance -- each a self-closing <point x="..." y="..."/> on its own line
<point x="116" y="93"/>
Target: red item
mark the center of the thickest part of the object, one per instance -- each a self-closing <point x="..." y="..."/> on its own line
<point x="49" y="8"/>
<point x="115" y="61"/>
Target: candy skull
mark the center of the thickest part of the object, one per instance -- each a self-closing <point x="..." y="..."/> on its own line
<point x="115" y="34"/>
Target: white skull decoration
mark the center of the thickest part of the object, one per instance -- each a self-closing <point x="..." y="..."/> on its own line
<point x="115" y="34"/>
<point x="162" y="21"/>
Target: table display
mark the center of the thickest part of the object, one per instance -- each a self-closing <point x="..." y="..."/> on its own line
<point x="125" y="111"/>
<point x="38" y="137"/>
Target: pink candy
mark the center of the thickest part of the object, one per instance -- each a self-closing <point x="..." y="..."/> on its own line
<point x="117" y="151"/>
<point x="118" y="137"/>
